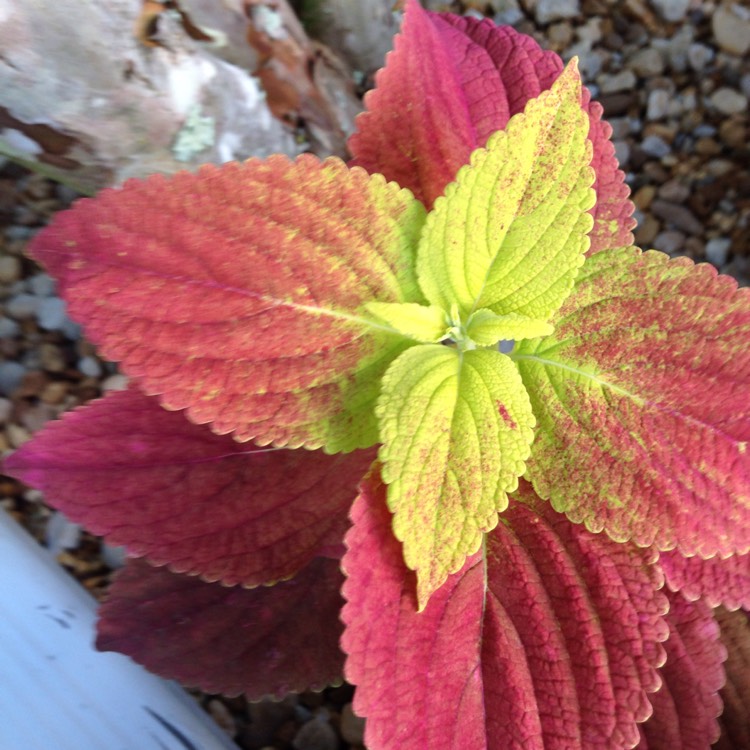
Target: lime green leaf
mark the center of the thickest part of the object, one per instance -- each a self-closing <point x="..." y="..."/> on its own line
<point x="486" y="328"/>
<point x="455" y="429"/>
<point x="510" y="234"/>
<point x="420" y="322"/>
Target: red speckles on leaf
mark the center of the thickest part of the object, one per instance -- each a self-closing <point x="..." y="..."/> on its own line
<point x="550" y="638"/>
<point x="641" y="399"/>
<point x="230" y="640"/>
<point x="233" y="293"/>
<point x="724" y="581"/>
<point x="201" y="503"/>
<point x="475" y="76"/>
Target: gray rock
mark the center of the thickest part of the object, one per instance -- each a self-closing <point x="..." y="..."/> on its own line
<point x="717" y="251"/>
<point x="8" y="328"/>
<point x="317" y="734"/>
<point x="623" y="81"/>
<point x="699" y="55"/>
<point x="731" y="27"/>
<point x="51" y="313"/>
<point x="547" y="11"/>
<point x="23" y="306"/>
<point x="6" y="409"/>
<point x="670" y="242"/>
<point x="41" y="285"/>
<point x="11" y="374"/>
<point x="672" y="10"/>
<point x="90" y="367"/>
<point x="655" y="146"/>
<point x="728" y="101"/>
<point x="674" y="191"/>
<point x="622" y="151"/>
<point x="678" y="216"/>
<point x="657" y="107"/>
<point x="647" y="62"/>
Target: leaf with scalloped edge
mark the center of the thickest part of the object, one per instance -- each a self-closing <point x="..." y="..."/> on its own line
<point x="455" y="429"/>
<point x="735" y="694"/>
<point x="510" y="233"/>
<point x="200" y="503"/>
<point x="718" y="580"/>
<point x="550" y="637"/>
<point x="270" y="640"/>
<point x="236" y="293"/>
<point x="475" y="75"/>
<point x="641" y="399"/>
<point x="687" y="705"/>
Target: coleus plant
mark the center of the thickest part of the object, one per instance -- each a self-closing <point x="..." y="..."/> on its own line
<point x="440" y="382"/>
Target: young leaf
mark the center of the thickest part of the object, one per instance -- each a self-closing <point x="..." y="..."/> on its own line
<point x="486" y="328"/>
<point x="735" y="695"/>
<point x="724" y="581"/>
<point x="425" y="323"/>
<point x="688" y="703"/>
<point x="640" y="396"/>
<point x="230" y="640"/>
<point x="236" y="293"/>
<point x="455" y="429"/>
<point x="547" y="638"/>
<point x="202" y="503"/>
<point x="510" y="234"/>
<point x="476" y="76"/>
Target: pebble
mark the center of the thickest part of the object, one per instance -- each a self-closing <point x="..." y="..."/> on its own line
<point x="90" y="367"/>
<point x="672" y="10"/>
<point x="657" y="107"/>
<point x="17" y="435"/>
<point x="670" y="242"/>
<point x="116" y="382"/>
<point x="10" y="269"/>
<point x="622" y="151"/>
<point x="678" y="216"/>
<point x="6" y="410"/>
<point x="728" y="101"/>
<point x="647" y="62"/>
<point x="655" y="146"/>
<point x="51" y="358"/>
<point x="647" y="231"/>
<point x="547" y="11"/>
<point x="613" y="84"/>
<point x="51" y="313"/>
<point x="8" y="328"/>
<point x="11" y="374"/>
<point x="699" y="56"/>
<point x="731" y="29"/>
<point x="674" y="191"/>
<point x="643" y="197"/>
<point x="717" y="251"/>
<point x="23" y="306"/>
<point x="317" y="734"/>
<point x="42" y="285"/>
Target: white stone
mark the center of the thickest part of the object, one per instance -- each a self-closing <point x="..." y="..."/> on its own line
<point x="11" y="374"/>
<point x="728" y="101"/>
<point x="672" y="10"/>
<point x="717" y="251"/>
<point x="699" y="55"/>
<point x="655" y="146"/>
<point x="90" y="367"/>
<point x="51" y="313"/>
<point x="22" y="306"/>
<point x="10" y="269"/>
<point x="623" y="81"/>
<point x="731" y="29"/>
<point x="658" y="104"/>
<point x="42" y="285"/>
<point x="547" y="11"/>
<point x="647" y="62"/>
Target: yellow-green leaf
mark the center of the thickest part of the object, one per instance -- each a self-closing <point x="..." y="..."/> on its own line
<point x="455" y="429"/>
<point x="510" y="234"/>
<point x="421" y="322"/>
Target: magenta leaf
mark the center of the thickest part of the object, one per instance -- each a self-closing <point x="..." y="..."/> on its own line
<point x="641" y="400"/>
<point x="230" y="640"/>
<point x="724" y="581"/>
<point x="237" y="293"/>
<point x="688" y="703"/>
<point x="550" y="637"/>
<point x="735" y="720"/>
<point x="475" y="75"/>
<point x="201" y="503"/>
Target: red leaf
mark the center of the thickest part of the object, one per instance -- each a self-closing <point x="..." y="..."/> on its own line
<point x="640" y="395"/>
<point x="201" y="503"/>
<point x="549" y="640"/>
<point x="686" y="706"/>
<point x="476" y="76"/>
<point x="718" y="580"/>
<point x="230" y="640"/>
<point x="234" y="293"/>
<point x="735" y="721"/>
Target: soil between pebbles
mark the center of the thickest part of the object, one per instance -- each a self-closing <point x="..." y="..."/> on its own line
<point x="674" y="79"/>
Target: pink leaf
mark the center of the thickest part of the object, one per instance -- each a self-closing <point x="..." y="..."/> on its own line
<point x="201" y="503"/>
<point x="686" y="706"/>
<point x="476" y="76"/>
<point x="550" y="638"/>
<point x="235" y="292"/>
<point x="735" y="720"/>
<point x="724" y="581"/>
<point x="641" y="400"/>
<point x="230" y="640"/>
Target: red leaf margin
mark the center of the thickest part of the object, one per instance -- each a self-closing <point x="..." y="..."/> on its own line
<point x="476" y="76"/>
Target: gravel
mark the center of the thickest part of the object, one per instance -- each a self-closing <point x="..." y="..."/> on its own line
<point x="674" y="80"/>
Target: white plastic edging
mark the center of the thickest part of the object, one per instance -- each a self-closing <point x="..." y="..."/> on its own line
<point x="56" y="691"/>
